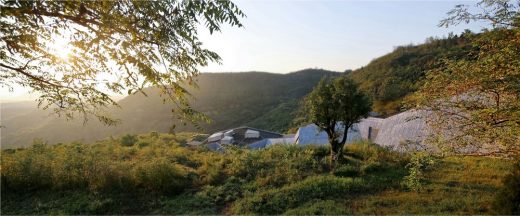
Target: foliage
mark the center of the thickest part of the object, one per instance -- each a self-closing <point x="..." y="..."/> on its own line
<point x="478" y="105"/>
<point x="188" y="205"/>
<point x="326" y="207"/>
<point x="347" y="171"/>
<point x="135" y="43"/>
<point x="165" y="178"/>
<point x="500" y="13"/>
<point x="254" y="99"/>
<point x="278" y="119"/>
<point x="275" y="166"/>
<point x="507" y="200"/>
<point x="277" y="201"/>
<point x="420" y="162"/>
<point x="457" y="185"/>
<point x="129" y="140"/>
<point x="334" y="103"/>
<point x="391" y="78"/>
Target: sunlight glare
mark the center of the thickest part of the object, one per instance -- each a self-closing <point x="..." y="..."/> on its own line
<point x="61" y="48"/>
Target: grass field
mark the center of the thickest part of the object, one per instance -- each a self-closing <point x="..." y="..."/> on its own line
<point x="158" y="174"/>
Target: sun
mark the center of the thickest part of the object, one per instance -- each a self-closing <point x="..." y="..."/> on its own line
<point x="61" y="48"/>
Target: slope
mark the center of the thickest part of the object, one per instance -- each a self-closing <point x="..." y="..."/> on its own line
<point x="392" y="77"/>
<point x="229" y="100"/>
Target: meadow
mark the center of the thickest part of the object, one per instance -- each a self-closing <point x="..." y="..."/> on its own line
<point x="161" y="174"/>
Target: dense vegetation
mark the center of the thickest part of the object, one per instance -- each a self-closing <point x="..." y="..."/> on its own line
<point x="158" y="174"/>
<point x="390" y="78"/>
<point x="336" y="102"/>
<point x="255" y="99"/>
<point x="62" y="50"/>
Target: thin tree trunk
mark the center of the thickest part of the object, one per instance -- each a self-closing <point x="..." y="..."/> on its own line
<point x="335" y="154"/>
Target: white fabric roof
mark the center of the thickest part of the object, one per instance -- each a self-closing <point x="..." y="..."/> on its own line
<point x="226" y="140"/>
<point x="311" y="135"/>
<point x="215" y="137"/>
<point x="405" y="126"/>
<point x="252" y="134"/>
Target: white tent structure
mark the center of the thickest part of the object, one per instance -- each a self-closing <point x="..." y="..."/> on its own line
<point x="312" y="135"/>
<point x="252" y="134"/>
<point x="409" y="127"/>
<point x="226" y="140"/>
<point x="215" y="137"/>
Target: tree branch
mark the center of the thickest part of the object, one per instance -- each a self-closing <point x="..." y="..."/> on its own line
<point x="31" y="76"/>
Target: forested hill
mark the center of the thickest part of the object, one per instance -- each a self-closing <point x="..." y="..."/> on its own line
<point x="390" y="78"/>
<point x="257" y="99"/>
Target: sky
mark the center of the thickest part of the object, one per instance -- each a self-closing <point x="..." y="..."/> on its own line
<point x="282" y="36"/>
<point x="286" y="36"/>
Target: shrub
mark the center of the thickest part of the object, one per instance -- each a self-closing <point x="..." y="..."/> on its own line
<point x="188" y="205"/>
<point x="325" y="207"/>
<point x="161" y="176"/>
<point x="277" y="201"/>
<point x="154" y="134"/>
<point x="363" y="150"/>
<point x="507" y="200"/>
<point x="347" y="171"/>
<point x="199" y="137"/>
<point x="274" y="166"/>
<point x="373" y="167"/>
<point x="367" y="151"/>
<point x="143" y="144"/>
<point x="230" y="191"/>
<point x="128" y="140"/>
<point x="419" y="163"/>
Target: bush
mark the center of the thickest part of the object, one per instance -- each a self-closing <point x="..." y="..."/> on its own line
<point x="325" y="207"/>
<point x="128" y="140"/>
<point x="507" y="201"/>
<point x="230" y="191"/>
<point x="274" y="166"/>
<point x="419" y="163"/>
<point x="154" y="134"/>
<point x="347" y="171"/>
<point x="373" y="167"/>
<point x="161" y="176"/>
<point x="277" y="201"/>
<point x="188" y="205"/>
<point x="143" y="144"/>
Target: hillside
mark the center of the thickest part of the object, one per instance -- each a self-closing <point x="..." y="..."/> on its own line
<point x="255" y="99"/>
<point x="159" y="175"/>
<point x="390" y="78"/>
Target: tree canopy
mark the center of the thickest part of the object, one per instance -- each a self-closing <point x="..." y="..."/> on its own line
<point x="475" y="100"/>
<point x="333" y="103"/>
<point x="76" y="54"/>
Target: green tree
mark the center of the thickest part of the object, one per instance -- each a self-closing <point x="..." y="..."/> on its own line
<point x="75" y="54"/>
<point x="334" y="103"/>
<point x="475" y="100"/>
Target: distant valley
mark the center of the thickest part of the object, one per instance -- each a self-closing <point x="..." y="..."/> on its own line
<point x="256" y="99"/>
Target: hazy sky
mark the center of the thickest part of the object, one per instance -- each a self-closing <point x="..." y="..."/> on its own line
<point x="285" y="36"/>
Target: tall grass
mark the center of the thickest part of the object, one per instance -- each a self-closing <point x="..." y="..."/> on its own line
<point x="160" y="174"/>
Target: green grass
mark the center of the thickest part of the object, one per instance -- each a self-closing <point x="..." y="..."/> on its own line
<point x="456" y="185"/>
<point x="159" y="174"/>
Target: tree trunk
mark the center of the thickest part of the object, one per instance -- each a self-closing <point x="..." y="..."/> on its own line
<point x="336" y="153"/>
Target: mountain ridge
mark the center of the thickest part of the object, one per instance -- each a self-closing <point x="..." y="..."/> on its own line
<point x="229" y="99"/>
